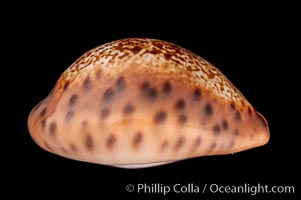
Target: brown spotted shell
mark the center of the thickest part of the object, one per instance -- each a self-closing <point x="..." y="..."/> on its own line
<point x="143" y="102"/>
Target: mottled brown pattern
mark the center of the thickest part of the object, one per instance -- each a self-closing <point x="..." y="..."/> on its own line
<point x="126" y="50"/>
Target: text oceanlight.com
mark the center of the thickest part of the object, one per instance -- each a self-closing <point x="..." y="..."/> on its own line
<point x="214" y="188"/>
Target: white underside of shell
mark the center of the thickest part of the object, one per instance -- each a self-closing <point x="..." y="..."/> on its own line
<point x="144" y="165"/>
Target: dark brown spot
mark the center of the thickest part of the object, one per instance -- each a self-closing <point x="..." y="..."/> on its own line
<point x="121" y="84"/>
<point x="180" y="104"/>
<point x="160" y="117"/>
<point x="137" y="139"/>
<point x="89" y="142"/>
<point x="73" y="100"/>
<point x="225" y="125"/>
<point x="152" y="93"/>
<point x="98" y="75"/>
<point x="84" y="123"/>
<point x="144" y="87"/>
<point x="52" y="128"/>
<point x="216" y="130"/>
<point x="197" y="94"/>
<point x="242" y="103"/>
<point x="167" y="88"/>
<point x="148" y="92"/>
<point x="87" y="84"/>
<point x="182" y="118"/>
<point x="43" y="123"/>
<point x="164" y="144"/>
<point x="235" y="132"/>
<point x="104" y="113"/>
<point x="213" y="145"/>
<point x="111" y="141"/>
<point x="208" y="110"/>
<point x="69" y="116"/>
<point x="232" y="105"/>
<point x="237" y="116"/>
<point x="108" y="94"/>
<point x="128" y="109"/>
<point x="66" y="85"/>
<point x="250" y="110"/>
<point x="262" y="120"/>
<point x="43" y="112"/>
<point x="180" y="142"/>
<point x="73" y="147"/>
<point x="197" y="142"/>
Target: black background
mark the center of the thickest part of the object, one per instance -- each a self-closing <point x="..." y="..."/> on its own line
<point x="253" y="53"/>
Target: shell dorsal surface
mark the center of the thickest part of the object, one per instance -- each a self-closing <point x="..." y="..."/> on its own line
<point x="143" y="102"/>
